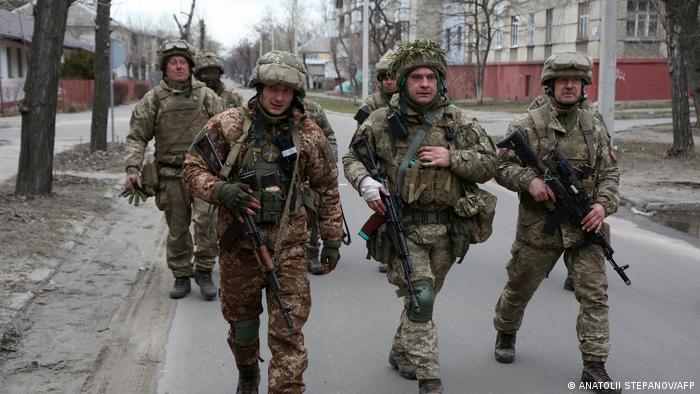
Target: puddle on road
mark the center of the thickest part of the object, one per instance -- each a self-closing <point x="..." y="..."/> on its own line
<point x="687" y="222"/>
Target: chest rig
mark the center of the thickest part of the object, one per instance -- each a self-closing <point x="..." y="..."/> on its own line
<point x="268" y="157"/>
<point x="579" y="145"/>
<point x="428" y="188"/>
<point x="180" y="117"/>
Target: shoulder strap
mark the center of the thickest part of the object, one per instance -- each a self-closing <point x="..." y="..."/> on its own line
<point x="539" y="117"/>
<point x="586" y="121"/>
<point x="236" y="149"/>
<point x="417" y="140"/>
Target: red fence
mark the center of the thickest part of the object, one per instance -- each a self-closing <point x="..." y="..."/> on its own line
<point x="76" y="94"/>
<point x="637" y="79"/>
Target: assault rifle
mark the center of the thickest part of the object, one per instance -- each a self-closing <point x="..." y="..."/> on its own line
<point x="364" y="153"/>
<point x="572" y="200"/>
<point x="206" y="149"/>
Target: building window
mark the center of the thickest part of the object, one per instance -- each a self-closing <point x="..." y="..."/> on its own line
<point x="20" y="69"/>
<point x="549" y="24"/>
<point x="514" y="24"/>
<point x="642" y="18"/>
<point x="8" y="51"/>
<point x="459" y="38"/>
<point x="498" y="35"/>
<point x="447" y="39"/>
<point x="583" y="21"/>
<point x="531" y="29"/>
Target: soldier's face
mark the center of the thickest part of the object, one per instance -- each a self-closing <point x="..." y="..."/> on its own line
<point x="177" y="68"/>
<point x="276" y="99"/>
<point x="388" y="83"/>
<point x="209" y="76"/>
<point x="422" y="85"/>
<point x="567" y="90"/>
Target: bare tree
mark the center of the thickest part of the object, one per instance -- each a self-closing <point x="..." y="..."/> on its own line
<point x="481" y="17"/>
<point x="100" y="101"/>
<point x="185" y="29"/>
<point x="678" y="19"/>
<point x="34" y="174"/>
<point x="691" y="47"/>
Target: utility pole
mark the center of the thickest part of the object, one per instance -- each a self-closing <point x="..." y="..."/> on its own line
<point x="607" y="66"/>
<point x="295" y="47"/>
<point x="365" y="49"/>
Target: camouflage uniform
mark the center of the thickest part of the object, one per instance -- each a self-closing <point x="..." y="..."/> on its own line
<point x="208" y="60"/>
<point x="242" y="280"/>
<point x="173" y="114"/>
<point x="427" y="199"/>
<point x="583" y="141"/>
<point x="310" y="198"/>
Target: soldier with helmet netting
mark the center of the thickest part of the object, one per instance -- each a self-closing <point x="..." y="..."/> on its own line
<point x="209" y="69"/>
<point x="561" y="123"/>
<point x="172" y="113"/>
<point x="433" y="164"/>
<point x="271" y="147"/>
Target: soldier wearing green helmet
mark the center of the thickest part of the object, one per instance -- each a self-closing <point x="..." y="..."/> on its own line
<point x="561" y="122"/>
<point x="209" y="69"/>
<point x="271" y="147"/>
<point x="386" y="88"/>
<point x="433" y="165"/>
<point x="172" y="113"/>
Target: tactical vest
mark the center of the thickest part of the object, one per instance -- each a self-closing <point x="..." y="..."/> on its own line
<point x="434" y="187"/>
<point x="180" y="117"/>
<point x="262" y="169"/>
<point x="579" y="146"/>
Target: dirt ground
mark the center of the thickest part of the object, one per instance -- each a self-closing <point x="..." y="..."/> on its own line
<point x="83" y="305"/>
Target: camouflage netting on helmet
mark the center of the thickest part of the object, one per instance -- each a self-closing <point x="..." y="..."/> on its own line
<point x="419" y="53"/>
<point x="208" y="60"/>
<point x="171" y="47"/>
<point x="279" y="67"/>
<point x="567" y="64"/>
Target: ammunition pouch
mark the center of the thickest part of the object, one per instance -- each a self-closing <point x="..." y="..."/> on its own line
<point x="472" y="221"/>
<point x="149" y="175"/>
<point x="380" y="246"/>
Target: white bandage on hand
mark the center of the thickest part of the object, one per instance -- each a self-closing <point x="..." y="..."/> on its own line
<point x="369" y="188"/>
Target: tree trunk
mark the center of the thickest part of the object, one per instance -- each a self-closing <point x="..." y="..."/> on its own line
<point x="101" y="99"/>
<point x="34" y="173"/>
<point x="691" y="52"/>
<point x="682" y="133"/>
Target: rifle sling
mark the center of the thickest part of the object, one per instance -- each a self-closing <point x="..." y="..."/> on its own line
<point x="236" y="149"/>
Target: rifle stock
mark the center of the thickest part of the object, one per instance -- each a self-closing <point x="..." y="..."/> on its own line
<point x="570" y="198"/>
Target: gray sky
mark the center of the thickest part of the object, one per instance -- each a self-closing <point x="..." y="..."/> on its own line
<point x="227" y="20"/>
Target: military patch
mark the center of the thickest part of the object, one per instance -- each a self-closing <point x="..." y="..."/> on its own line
<point x="270" y="153"/>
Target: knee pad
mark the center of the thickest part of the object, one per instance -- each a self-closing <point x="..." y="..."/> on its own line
<point x="246" y="332"/>
<point x="426" y="297"/>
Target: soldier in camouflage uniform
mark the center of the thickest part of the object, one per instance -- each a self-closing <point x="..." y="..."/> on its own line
<point x="446" y="153"/>
<point x="209" y="70"/>
<point x="173" y="113"/>
<point x="270" y="138"/>
<point x="310" y="198"/>
<point x="582" y="138"/>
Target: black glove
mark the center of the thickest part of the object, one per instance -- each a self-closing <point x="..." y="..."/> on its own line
<point x="236" y="197"/>
<point x="330" y="254"/>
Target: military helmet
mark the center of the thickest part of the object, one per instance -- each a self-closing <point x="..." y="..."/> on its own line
<point x="171" y="47"/>
<point x="382" y="66"/>
<point x="208" y="60"/>
<point x="567" y="64"/>
<point x="279" y="67"/>
<point x="419" y="53"/>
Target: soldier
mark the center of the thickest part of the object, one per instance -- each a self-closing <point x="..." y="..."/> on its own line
<point x="582" y="138"/>
<point x="274" y="144"/>
<point x="209" y="70"/>
<point x="309" y="198"/>
<point x="375" y="100"/>
<point x="433" y="171"/>
<point x="173" y="113"/>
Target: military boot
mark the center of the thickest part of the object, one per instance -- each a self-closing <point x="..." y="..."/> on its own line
<point x="505" y="347"/>
<point x="594" y="371"/>
<point x="399" y="361"/>
<point x="181" y="288"/>
<point x="569" y="283"/>
<point x="206" y="284"/>
<point x="430" y="386"/>
<point x="312" y="261"/>
<point x="248" y="379"/>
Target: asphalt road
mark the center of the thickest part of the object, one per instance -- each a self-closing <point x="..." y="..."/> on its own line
<point x="355" y="313"/>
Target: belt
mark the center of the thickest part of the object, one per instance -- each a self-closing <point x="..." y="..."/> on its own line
<point x="423" y="217"/>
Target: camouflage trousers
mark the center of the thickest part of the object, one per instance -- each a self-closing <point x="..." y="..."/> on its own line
<point x="526" y="270"/>
<point x="242" y="283"/>
<point x="181" y="209"/>
<point x="428" y="246"/>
